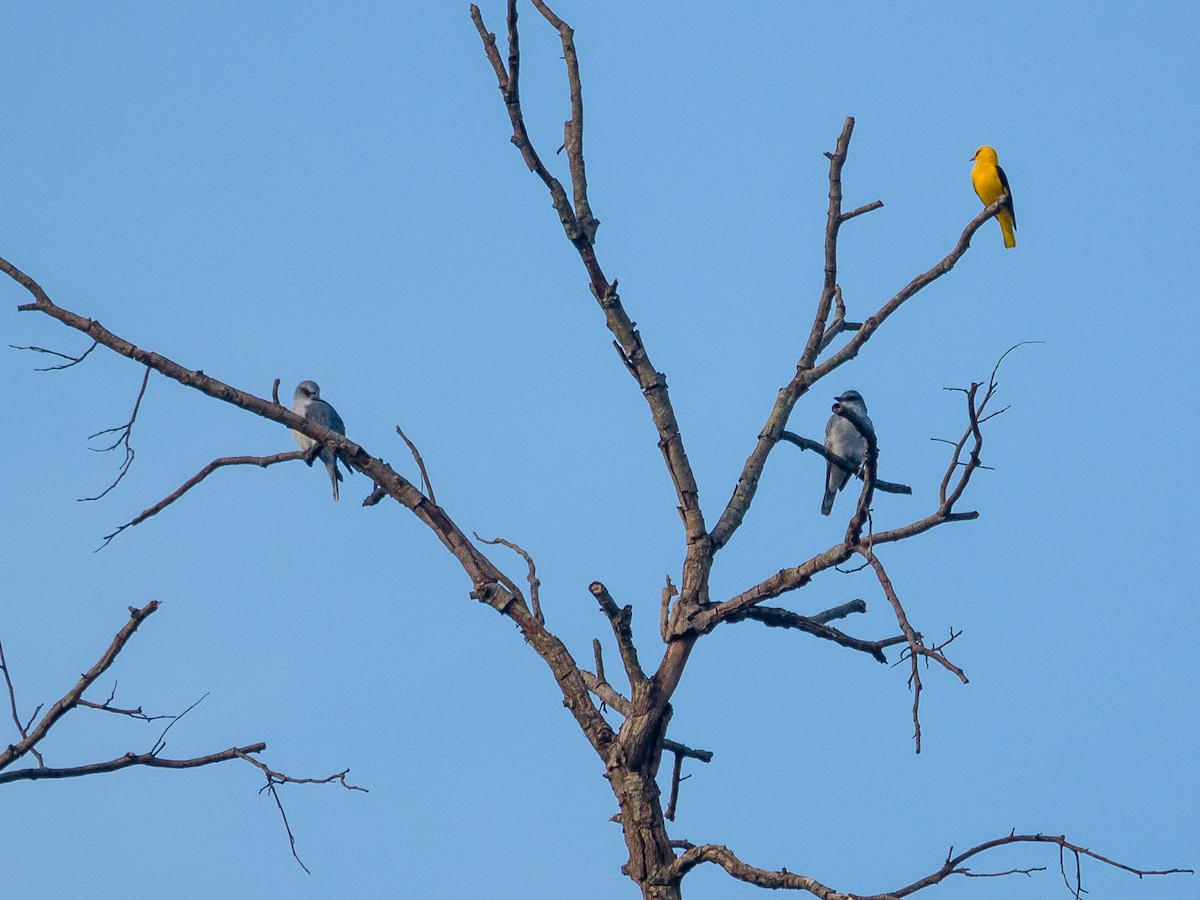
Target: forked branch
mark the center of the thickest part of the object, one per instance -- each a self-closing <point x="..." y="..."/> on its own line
<point x="580" y="227"/>
<point x="31" y="734"/>
<point x="261" y="461"/>
<point x="888" y="487"/>
<point x="785" y="880"/>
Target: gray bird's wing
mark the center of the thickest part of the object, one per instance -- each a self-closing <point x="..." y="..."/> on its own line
<point x="323" y="414"/>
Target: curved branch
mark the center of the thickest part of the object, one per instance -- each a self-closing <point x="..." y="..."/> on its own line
<point x="261" y="461"/>
<point x="773" y="617"/>
<point x="725" y="858"/>
<point x="425" y="482"/>
<point x="535" y="583"/>
<point x="888" y="487"/>
<point x="149" y="760"/>
<point x="124" y="433"/>
<point x="72" y="360"/>
<point x="783" y="879"/>
<point x="953" y="864"/>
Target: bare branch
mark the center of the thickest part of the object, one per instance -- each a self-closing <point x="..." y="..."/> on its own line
<point x="274" y="779"/>
<point x="598" y="685"/>
<point x="573" y="127"/>
<point x="833" y="223"/>
<point x="124" y="433"/>
<point x="621" y="620"/>
<point x="428" y="485"/>
<point x="149" y="760"/>
<point x="509" y="82"/>
<point x="72" y="360"/>
<point x="839" y="325"/>
<point x="888" y="487"/>
<point x="160" y="743"/>
<point x="261" y="461"/>
<point x="705" y="756"/>
<point x="22" y="728"/>
<point x="676" y="769"/>
<point x="774" y="617"/>
<point x="724" y="857"/>
<point x="783" y="879"/>
<point x="580" y="227"/>
<point x="916" y="648"/>
<point x="534" y="583"/>
<point x="953" y="864"/>
<point x="136" y="713"/>
<point x="865" y="208"/>
<point x="664" y="615"/>
<point x="598" y="656"/>
<point x="839" y="612"/>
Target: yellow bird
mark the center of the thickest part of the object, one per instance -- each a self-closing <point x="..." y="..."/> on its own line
<point x="990" y="182"/>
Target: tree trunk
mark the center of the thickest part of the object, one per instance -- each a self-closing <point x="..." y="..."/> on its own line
<point x="650" y="853"/>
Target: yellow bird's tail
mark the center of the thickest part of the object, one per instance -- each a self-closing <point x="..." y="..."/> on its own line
<point x="1005" y="218"/>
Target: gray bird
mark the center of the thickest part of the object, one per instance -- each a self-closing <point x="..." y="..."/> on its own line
<point x="308" y="403"/>
<point x="842" y="438"/>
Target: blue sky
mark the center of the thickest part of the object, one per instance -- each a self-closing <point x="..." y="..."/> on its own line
<point x="270" y="190"/>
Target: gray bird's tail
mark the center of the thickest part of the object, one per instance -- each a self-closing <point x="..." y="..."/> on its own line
<point x="334" y="477"/>
<point x="827" y="503"/>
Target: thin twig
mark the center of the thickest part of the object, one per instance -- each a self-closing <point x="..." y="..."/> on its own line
<point x="427" y="484"/>
<point x="953" y="865"/>
<point x="260" y="461"/>
<point x="135" y="713"/>
<point x="22" y="729"/>
<point x="123" y="433"/>
<point x="534" y="582"/>
<point x="73" y="360"/>
<point x="160" y="744"/>
<point x="916" y="647"/>
<point x="276" y="778"/>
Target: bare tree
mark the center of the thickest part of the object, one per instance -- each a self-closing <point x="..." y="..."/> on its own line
<point x="632" y="751"/>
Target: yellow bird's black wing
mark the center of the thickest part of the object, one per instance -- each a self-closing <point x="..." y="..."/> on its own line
<point x="1007" y="190"/>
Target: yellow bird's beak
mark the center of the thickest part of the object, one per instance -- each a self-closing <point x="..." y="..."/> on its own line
<point x="972" y="159"/>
